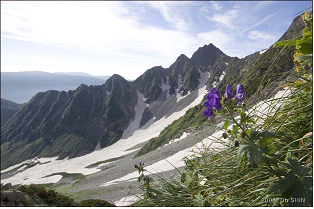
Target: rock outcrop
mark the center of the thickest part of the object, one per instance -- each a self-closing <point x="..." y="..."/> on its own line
<point x="14" y="198"/>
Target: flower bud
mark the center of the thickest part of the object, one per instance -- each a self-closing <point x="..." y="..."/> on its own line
<point x="228" y="131"/>
<point x="225" y="135"/>
<point x="236" y="143"/>
<point x="243" y="134"/>
<point x="135" y="166"/>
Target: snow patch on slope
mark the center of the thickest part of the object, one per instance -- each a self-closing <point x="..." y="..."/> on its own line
<point x="125" y="201"/>
<point x="184" y="135"/>
<point x="139" y="110"/>
<point x="165" y="87"/>
<point x="222" y="76"/>
<point x="263" y="51"/>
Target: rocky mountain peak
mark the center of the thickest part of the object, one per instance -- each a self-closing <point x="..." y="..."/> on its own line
<point x="181" y="64"/>
<point x="206" y="56"/>
<point x="181" y="58"/>
<point x="295" y="29"/>
<point x="116" y="82"/>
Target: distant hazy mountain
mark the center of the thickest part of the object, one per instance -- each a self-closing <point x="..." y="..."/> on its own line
<point x="82" y="74"/>
<point x="20" y="87"/>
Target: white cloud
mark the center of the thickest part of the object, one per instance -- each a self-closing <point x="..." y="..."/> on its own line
<point x="103" y="28"/>
<point x="228" y="19"/>
<point x="259" y="35"/>
<point x="215" y="5"/>
<point x="175" y="12"/>
<point x="133" y="36"/>
<point x="261" y="5"/>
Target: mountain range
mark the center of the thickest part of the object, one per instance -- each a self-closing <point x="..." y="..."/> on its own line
<point x="77" y="122"/>
<point x="20" y="87"/>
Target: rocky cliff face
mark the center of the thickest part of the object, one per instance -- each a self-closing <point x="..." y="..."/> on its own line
<point x="70" y="123"/>
<point x="150" y="83"/>
<point x="183" y="75"/>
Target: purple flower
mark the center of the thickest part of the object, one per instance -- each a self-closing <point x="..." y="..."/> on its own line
<point x="209" y="112"/>
<point x="213" y="102"/>
<point x="214" y="99"/>
<point x="206" y="104"/>
<point x="240" y="93"/>
<point x="228" y="94"/>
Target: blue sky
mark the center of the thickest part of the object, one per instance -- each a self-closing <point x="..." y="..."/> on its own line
<point x="106" y="37"/>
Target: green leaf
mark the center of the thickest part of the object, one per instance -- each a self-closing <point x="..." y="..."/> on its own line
<point x="234" y="130"/>
<point x="271" y="159"/>
<point x="290" y="42"/>
<point x="306" y="43"/>
<point x="243" y="117"/>
<point x="257" y="135"/>
<point x="294" y="187"/>
<point x="283" y="184"/>
<point x="226" y="124"/>
<point x="294" y="165"/>
<point x="255" y="155"/>
<point x="220" y="126"/>
<point x="241" y="151"/>
<point x="308" y="58"/>
<point x="297" y="191"/>
<point x="252" y="152"/>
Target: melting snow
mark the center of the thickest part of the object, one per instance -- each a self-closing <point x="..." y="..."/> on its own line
<point x="263" y="51"/>
<point x="125" y="201"/>
<point x="135" y="124"/>
<point x="184" y="135"/>
<point x="166" y="87"/>
<point x="222" y="76"/>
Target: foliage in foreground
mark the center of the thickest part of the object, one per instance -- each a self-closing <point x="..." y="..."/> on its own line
<point x="48" y="197"/>
<point x="266" y="154"/>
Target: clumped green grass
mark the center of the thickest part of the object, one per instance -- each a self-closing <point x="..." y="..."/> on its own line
<point x="74" y="176"/>
<point x="104" y="161"/>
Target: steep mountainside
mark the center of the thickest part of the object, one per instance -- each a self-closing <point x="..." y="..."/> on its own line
<point x="70" y="123"/>
<point x="8" y="109"/>
<point x="74" y="123"/>
<point x="261" y="74"/>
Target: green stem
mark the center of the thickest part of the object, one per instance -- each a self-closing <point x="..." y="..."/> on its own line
<point x="271" y="168"/>
<point x="234" y="120"/>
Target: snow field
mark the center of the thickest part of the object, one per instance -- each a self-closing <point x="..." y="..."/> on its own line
<point x="38" y="173"/>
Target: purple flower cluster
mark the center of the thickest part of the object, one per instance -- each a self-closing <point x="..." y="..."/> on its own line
<point x="213" y="102"/>
<point x="214" y="99"/>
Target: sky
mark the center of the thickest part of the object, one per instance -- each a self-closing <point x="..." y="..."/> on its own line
<point x="103" y="38"/>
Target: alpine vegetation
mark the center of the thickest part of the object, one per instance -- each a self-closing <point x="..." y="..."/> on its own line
<point x="265" y="157"/>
